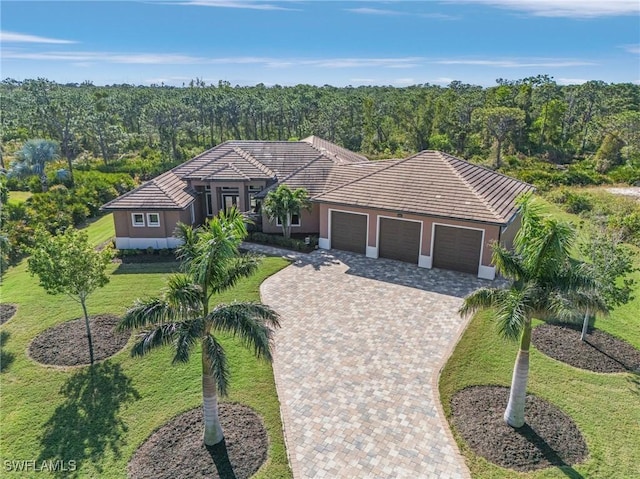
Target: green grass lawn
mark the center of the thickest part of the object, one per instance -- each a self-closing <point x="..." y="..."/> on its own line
<point x="19" y="196"/>
<point x="101" y="229"/>
<point x="606" y="407"/>
<point x="44" y="411"/>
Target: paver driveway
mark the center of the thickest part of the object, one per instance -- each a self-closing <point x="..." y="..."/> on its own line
<point x="356" y="364"/>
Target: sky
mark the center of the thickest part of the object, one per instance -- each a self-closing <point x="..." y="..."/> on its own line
<point x="320" y="42"/>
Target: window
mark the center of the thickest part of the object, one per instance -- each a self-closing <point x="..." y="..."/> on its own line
<point x="137" y="219"/>
<point x="254" y="202"/>
<point x="208" y="202"/>
<point x="295" y="221"/>
<point x="153" y="219"/>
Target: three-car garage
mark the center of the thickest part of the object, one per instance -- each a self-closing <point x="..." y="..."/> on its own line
<point x="419" y="240"/>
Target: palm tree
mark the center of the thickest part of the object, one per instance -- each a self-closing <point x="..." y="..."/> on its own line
<point x="32" y="159"/>
<point x="282" y="203"/>
<point x="182" y="316"/>
<point x="546" y="283"/>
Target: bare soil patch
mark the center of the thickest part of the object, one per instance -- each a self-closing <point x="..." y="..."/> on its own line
<point x="177" y="450"/>
<point x="601" y="353"/>
<point x="548" y="438"/>
<point x="66" y="344"/>
<point x="7" y="311"/>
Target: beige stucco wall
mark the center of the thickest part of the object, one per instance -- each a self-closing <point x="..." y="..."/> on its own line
<point x="168" y="221"/>
<point x="509" y="233"/>
<point x="309" y="222"/>
<point x="492" y="232"/>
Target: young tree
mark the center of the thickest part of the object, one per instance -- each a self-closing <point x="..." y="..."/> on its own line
<point x="498" y="122"/>
<point x="32" y="159"/>
<point x="546" y="283"/>
<point x="282" y="203"/>
<point x="610" y="263"/>
<point x="182" y="316"/>
<point x="69" y="264"/>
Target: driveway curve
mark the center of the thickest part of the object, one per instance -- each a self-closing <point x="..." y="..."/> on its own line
<point x="356" y="365"/>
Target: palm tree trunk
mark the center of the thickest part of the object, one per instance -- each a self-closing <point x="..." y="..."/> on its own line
<point x="514" y="414"/>
<point x="86" y="323"/>
<point x="585" y="326"/>
<point x="212" y="428"/>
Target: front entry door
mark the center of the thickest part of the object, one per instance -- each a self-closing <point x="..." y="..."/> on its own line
<point x="229" y="201"/>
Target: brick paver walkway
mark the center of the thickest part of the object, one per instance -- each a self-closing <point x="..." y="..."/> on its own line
<point x="356" y="363"/>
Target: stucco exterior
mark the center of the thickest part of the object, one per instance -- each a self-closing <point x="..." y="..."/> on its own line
<point x="129" y="236"/>
<point x="309" y="222"/>
<point x="491" y="233"/>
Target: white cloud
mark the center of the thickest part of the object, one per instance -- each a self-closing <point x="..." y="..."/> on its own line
<point x="362" y="80"/>
<point x="565" y="8"/>
<point x="522" y="63"/>
<point x="12" y="37"/>
<point x="442" y="81"/>
<point x="179" y="59"/>
<point x="395" y="13"/>
<point x="571" y="81"/>
<point x="632" y="49"/>
<point x="234" y="4"/>
<point x="404" y="81"/>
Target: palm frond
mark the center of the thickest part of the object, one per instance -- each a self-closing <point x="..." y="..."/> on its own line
<point x="251" y="322"/>
<point x="481" y="298"/>
<point x="508" y="263"/>
<point x="185" y="338"/>
<point x="237" y="268"/>
<point x="183" y="294"/>
<point x="154" y="338"/>
<point x="153" y="311"/>
<point x="188" y="236"/>
<point x="214" y="354"/>
<point x="512" y="312"/>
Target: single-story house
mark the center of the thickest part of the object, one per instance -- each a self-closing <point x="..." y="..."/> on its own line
<point x="431" y="209"/>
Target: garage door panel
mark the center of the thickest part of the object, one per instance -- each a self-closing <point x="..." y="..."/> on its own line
<point x="457" y="249"/>
<point x="349" y="232"/>
<point x="399" y="239"/>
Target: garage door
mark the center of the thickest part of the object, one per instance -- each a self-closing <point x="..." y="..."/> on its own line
<point x="399" y="240"/>
<point x="349" y="232"/>
<point x="457" y="249"/>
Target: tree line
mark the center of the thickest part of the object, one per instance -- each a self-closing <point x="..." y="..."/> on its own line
<point x="532" y="117"/>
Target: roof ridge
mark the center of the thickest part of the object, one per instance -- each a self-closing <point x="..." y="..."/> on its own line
<point x="251" y="159"/>
<point x="300" y="168"/>
<point x="395" y="162"/>
<point x="447" y="159"/>
<point x="234" y="168"/>
<point x="162" y="187"/>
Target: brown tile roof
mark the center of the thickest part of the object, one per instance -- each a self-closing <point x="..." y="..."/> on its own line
<point x="165" y="192"/>
<point x="341" y="155"/>
<point x="430" y="183"/>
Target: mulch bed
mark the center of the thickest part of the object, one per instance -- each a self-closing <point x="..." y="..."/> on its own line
<point x="7" y="310"/>
<point x="601" y="353"/>
<point x="177" y="450"/>
<point x="66" y="344"/>
<point x="548" y="438"/>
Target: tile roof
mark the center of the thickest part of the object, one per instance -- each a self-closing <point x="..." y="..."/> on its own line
<point x="339" y="154"/>
<point x="430" y="183"/>
<point x="165" y="192"/>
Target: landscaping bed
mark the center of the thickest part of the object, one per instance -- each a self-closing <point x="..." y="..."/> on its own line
<point x="177" y="450"/>
<point x="548" y="438"/>
<point x="601" y="352"/>
<point x="7" y="311"/>
<point x="66" y="344"/>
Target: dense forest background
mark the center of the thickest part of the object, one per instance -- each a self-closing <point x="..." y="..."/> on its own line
<point x="532" y="117"/>
<point x="110" y="138"/>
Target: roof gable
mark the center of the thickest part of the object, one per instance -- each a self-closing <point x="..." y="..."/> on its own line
<point x="164" y="192"/>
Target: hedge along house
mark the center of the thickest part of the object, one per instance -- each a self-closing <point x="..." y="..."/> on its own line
<point x="431" y="209"/>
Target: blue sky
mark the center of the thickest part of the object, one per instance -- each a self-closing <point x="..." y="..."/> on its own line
<point x="320" y="42"/>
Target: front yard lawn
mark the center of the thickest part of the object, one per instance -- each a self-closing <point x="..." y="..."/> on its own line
<point x="50" y="413"/>
<point x="605" y="407"/>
